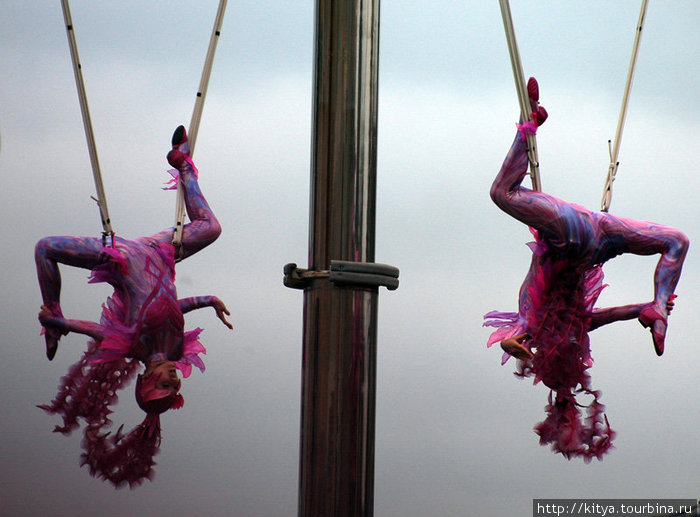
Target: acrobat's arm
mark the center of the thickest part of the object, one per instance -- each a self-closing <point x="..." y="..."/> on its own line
<point x="624" y="312"/>
<point x="612" y="314"/>
<point x="49" y="253"/>
<point x="197" y="302"/>
<point x="49" y="320"/>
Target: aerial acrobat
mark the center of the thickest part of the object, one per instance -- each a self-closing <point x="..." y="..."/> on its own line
<point x="549" y="333"/>
<point x="141" y="323"/>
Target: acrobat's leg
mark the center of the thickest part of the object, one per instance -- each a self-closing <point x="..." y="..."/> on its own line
<point x="536" y="209"/>
<point x="203" y="228"/>
<point x="82" y="252"/>
<point x="645" y="238"/>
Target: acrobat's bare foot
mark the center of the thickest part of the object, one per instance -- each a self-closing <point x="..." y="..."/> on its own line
<point x="514" y="346"/>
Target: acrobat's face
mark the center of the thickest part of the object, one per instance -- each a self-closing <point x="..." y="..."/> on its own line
<point x="157" y="389"/>
<point x="167" y="377"/>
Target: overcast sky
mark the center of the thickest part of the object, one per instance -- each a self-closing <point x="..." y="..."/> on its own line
<point x="454" y="428"/>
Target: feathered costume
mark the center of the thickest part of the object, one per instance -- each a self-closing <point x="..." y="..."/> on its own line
<point x="556" y="313"/>
<point x="141" y="323"/>
<point x="557" y="298"/>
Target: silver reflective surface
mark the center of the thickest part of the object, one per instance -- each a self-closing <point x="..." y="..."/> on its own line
<point x="340" y="323"/>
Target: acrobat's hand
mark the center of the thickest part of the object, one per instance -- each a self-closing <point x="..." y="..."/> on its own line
<point x="221" y="312"/>
<point x="514" y="346"/>
<point x="54" y="327"/>
<point x="46" y="317"/>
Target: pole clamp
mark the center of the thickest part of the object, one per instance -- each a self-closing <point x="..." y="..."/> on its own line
<point x="344" y="272"/>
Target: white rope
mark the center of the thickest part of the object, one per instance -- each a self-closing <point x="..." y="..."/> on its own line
<point x="197" y="116"/>
<point x="614" y="151"/>
<point x="520" y="86"/>
<point x="87" y="124"/>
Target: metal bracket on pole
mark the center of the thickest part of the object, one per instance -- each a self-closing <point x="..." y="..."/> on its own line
<point x="344" y="272"/>
<point x="297" y="278"/>
<point x="366" y="274"/>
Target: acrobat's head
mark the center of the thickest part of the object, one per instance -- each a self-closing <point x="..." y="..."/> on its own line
<point x="157" y="389"/>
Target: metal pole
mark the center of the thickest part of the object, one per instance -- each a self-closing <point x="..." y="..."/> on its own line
<point x="340" y="321"/>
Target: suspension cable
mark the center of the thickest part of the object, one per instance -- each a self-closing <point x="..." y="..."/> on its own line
<point x="107" y="232"/>
<point x="197" y="116"/>
<point x="615" y="149"/>
<point x="523" y="98"/>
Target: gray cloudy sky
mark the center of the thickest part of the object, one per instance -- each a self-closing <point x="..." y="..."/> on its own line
<point x="454" y="428"/>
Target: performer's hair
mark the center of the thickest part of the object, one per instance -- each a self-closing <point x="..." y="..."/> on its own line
<point x="88" y="391"/>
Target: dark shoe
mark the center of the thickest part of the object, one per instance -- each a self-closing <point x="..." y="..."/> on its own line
<point x="179" y="140"/>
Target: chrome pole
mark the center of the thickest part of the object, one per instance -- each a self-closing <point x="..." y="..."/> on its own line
<point x="336" y="473"/>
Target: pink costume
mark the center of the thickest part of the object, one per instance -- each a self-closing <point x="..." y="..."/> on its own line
<point x="142" y="322"/>
<point x="556" y="299"/>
